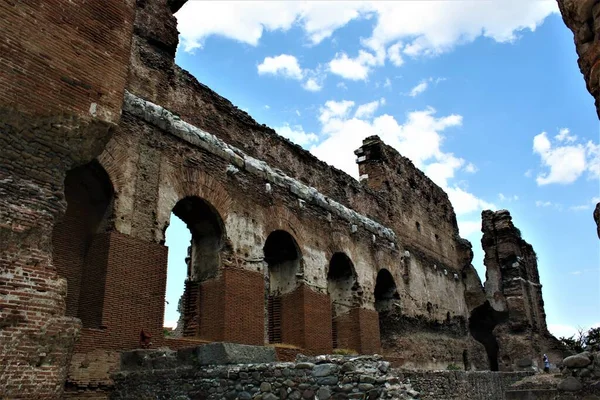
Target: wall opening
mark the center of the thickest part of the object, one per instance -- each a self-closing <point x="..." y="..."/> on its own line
<point x="79" y="253"/>
<point x="482" y="321"/>
<point x="386" y="301"/>
<point x="178" y="239"/>
<point x="386" y="292"/>
<point x="197" y="238"/>
<point x="342" y="287"/>
<point x="282" y="256"/>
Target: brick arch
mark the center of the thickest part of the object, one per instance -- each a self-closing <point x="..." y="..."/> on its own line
<point x="189" y="182"/>
<point x="285" y="220"/>
<point x="116" y="154"/>
<point x="78" y="240"/>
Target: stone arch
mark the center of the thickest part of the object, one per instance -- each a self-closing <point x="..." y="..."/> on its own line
<point x="77" y="241"/>
<point x="178" y="183"/>
<point x="386" y="302"/>
<point x="208" y="236"/>
<point x="342" y="286"/>
<point x="386" y="291"/>
<point x="120" y="160"/>
<point x="283" y="258"/>
<point x="204" y="258"/>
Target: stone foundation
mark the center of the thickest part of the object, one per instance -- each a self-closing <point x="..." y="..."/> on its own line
<point x="168" y="375"/>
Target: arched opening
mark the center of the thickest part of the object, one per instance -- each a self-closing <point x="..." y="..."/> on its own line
<point x="195" y="239"/>
<point x="77" y="246"/>
<point x="482" y="322"/>
<point x="282" y="256"/>
<point x="386" y="299"/>
<point x="342" y="287"/>
<point x="386" y="292"/>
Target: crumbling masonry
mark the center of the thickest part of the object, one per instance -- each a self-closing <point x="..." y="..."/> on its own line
<point x="103" y="137"/>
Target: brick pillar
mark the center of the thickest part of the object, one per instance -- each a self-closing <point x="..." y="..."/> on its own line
<point x="306" y="320"/>
<point x="368" y="325"/>
<point x="211" y="309"/>
<point x="244" y="306"/>
<point x="231" y="307"/>
<point x="359" y="330"/>
<point x="134" y="295"/>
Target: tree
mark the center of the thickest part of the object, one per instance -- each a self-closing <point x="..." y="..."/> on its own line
<point x="583" y="340"/>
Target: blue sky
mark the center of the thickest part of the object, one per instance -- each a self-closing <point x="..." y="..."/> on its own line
<point x="484" y="96"/>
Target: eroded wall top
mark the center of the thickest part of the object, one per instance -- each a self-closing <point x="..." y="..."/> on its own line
<point x="66" y="57"/>
<point x="583" y="18"/>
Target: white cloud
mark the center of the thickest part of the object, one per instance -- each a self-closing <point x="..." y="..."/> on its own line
<point x="465" y="202"/>
<point x="581" y="207"/>
<point x="298" y="112"/>
<point x="387" y="84"/>
<point x="394" y="55"/>
<point x="342" y="85"/>
<point x="468" y="228"/>
<point x="564" y="136"/>
<point x="312" y="85"/>
<point x="335" y="110"/>
<point x="267" y="107"/>
<point x="423" y="85"/>
<point x="356" y="69"/>
<point x="420" y="88"/>
<point x="284" y="64"/>
<point x="565" y="162"/>
<point x="471" y="168"/>
<point x="528" y="173"/>
<point x="425" y="27"/>
<point x="540" y="203"/>
<point x="367" y="110"/>
<point x="296" y="134"/>
<point x="288" y="66"/>
<point x="508" y="198"/>
<point x="419" y="138"/>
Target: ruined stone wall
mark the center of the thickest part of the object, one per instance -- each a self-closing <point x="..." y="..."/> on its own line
<point x="177" y="139"/>
<point x="583" y="18"/>
<point x="64" y="65"/>
<point x="513" y="314"/>
<point x="460" y="385"/>
<point x="168" y="169"/>
<point x="172" y="376"/>
<point x="425" y="276"/>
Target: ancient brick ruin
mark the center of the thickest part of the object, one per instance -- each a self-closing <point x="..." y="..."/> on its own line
<point x="583" y="18"/>
<point x="103" y="137"/>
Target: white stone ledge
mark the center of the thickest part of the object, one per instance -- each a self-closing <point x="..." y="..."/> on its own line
<point x="171" y="123"/>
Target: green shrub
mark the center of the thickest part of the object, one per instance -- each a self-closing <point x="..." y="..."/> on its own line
<point x="345" y="352"/>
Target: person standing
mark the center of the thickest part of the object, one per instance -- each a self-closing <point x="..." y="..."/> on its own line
<point x="546" y="364"/>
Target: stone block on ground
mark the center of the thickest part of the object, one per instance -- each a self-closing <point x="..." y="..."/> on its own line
<point x="233" y="353"/>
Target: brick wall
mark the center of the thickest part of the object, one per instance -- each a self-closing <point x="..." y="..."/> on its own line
<point x="70" y="239"/>
<point x="93" y="282"/>
<point x="317" y="321"/>
<point x="61" y="55"/>
<point x="244" y="306"/>
<point x="89" y="374"/>
<point x="211" y="297"/>
<point x="231" y="307"/>
<point x="292" y="318"/>
<point x="306" y="320"/>
<point x="134" y="294"/>
<point x="359" y="330"/>
<point x="369" y="331"/>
